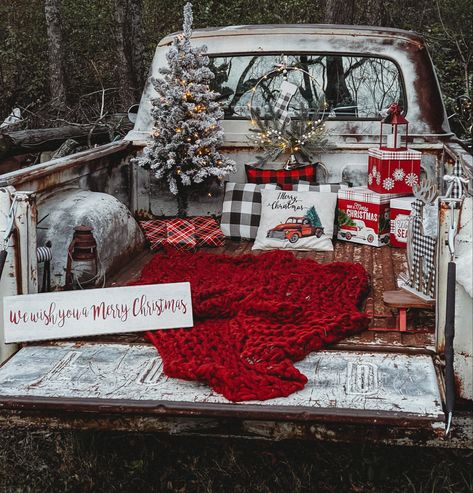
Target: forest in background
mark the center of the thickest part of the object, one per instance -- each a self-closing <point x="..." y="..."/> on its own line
<point x="82" y="61"/>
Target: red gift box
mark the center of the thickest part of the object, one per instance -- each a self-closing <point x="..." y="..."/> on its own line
<point x="155" y="232"/>
<point x="200" y="231"/>
<point x="393" y="171"/>
<point x="363" y="216"/>
<point x="208" y="232"/>
<point x="400" y="210"/>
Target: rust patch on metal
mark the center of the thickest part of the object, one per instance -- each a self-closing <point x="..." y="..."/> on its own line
<point x="444" y="208"/>
<point x="49" y="174"/>
<point x="208" y="410"/>
<point x="426" y="85"/>
<point x="459" y="387"/>
<point x="18" y="266"/>
<point x="246" y="429"/>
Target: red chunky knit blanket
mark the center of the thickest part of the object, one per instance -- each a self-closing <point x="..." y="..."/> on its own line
<point x="254" y="316"/>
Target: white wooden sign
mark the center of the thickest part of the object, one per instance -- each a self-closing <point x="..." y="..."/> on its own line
<point x="57" y="315"/>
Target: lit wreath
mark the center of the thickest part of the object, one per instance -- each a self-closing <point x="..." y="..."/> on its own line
<point x="301" y="137"/>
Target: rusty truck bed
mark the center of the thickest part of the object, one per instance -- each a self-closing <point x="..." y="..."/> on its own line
<point x="380" y="386"/>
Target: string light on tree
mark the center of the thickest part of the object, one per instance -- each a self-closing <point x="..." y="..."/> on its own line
<point x="184" y="149"/>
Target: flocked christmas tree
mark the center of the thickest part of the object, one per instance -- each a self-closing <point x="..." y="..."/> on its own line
<point x="187" y="131"/>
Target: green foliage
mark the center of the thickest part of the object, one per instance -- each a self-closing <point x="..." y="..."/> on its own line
<point x="451" y="44"/>
<point x="301" y="137"/>
<point x="384" y="224"/>
<point x="88" y="33"/>
<point x="23" y="54"/>
<point x="344" y="219"/>
<point x="314" y="218"/>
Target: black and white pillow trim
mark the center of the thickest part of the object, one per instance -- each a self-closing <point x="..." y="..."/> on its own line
<point x="305" y="186"/>
<point x="241" y="210"/>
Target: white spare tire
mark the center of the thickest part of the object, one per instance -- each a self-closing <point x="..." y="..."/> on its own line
<point x="115" y="230"/>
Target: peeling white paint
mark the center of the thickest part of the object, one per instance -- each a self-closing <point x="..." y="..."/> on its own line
<point x="11" y="273"/>
<point x="463" y="342"/>
<point x="397" y="383"/>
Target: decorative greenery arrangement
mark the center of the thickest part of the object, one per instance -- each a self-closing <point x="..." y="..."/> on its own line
<point x="344" y="219"/>
<point x="301" y="138"/>
<point x="277" y="133"/>
<point x="313" y="218"/>
<point x="187" y="131"/>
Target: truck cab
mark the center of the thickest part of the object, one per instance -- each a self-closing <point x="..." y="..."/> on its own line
<point x="383" y="385"/>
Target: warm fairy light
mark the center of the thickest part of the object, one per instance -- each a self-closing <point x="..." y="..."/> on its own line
<point x="178" y="130"/>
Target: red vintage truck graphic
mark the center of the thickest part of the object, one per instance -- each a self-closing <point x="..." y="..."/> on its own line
<point x="295" y="228"/>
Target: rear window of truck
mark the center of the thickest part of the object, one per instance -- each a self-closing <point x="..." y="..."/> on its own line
<point x="352" y="87"/>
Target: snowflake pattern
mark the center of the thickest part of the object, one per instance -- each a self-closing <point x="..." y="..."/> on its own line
<point x="378" y="178"/>
<point x="388" y="183"/>
<point x="412" y="179"/>
<point x="370" y="179"/>
<point x="399" y="174"/>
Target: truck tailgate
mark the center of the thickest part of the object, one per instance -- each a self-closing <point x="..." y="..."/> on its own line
<point x="375" y="390"/>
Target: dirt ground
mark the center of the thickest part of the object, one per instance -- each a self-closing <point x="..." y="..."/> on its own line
<point x="120" y="462"/>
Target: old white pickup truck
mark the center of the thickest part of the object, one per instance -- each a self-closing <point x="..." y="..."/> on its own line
<point x="383" y="385"/>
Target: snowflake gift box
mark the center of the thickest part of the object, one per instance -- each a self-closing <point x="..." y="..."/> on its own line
<point x="363" y="216"/>
<point x="393" y="171"/>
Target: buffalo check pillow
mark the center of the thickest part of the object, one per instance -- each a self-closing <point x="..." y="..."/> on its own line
<point x="242" y="209"/>
<point x="296" y="220"/>
<point x="305" y="186"/>
<point x="284" y="178"/>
